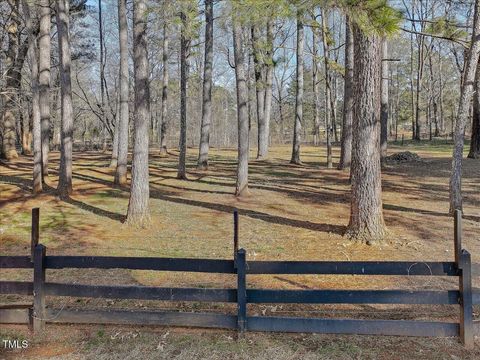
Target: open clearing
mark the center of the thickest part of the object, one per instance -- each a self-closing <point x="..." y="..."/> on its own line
<point x="291" y="213"/>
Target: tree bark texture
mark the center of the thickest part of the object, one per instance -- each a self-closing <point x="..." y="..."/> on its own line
<point x="37" y="185"/>
<point x="466" y="93"/>
<point x="207" y="88"/>
<point x="66" y="147"/>
<point x="260" y="90"/>
<point x="184" y="49"/>
<point x="297" y="129"/>
<point x="474" y="152"/>
<point x="122" y="157"/>
<point x="346" y="144"/>
<point x="329" y="118"/>
<point x="269" y="67"/>
<point x="164" y="124"/>
<point x="44" y="50"/>
<point x="366" y="213"/>
<point x="242" y="108"/>
<point x="384" y="101"/>
<point x="138" y="213"/>
<point x="14" y="59"/>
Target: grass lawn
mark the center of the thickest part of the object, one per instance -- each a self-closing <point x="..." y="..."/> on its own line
<point x="291" y="213"/>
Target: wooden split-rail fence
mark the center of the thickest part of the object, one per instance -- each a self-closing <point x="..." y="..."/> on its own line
<point x="38" y="314"/>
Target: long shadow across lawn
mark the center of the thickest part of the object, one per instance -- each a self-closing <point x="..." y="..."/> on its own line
<point x="26" y="185"/>
<point x="160" y="195"/>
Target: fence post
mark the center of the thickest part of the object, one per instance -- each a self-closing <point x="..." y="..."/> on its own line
<point x="466" y="309"/>
<point x="39" y="310"/>
<point x="35" y="230"/>
<point x="235" y="236"/>
<point x="457" y="236"/>
<point x="241" y="291"/>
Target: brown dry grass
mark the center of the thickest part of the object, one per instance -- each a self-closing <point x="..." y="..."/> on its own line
<point x="292" y="213"/>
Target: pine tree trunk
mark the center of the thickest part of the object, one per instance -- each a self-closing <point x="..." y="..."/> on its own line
<point x="184" y="43"/>
<point x="328" y="92"/>
<point x="474" y="152"/>
<point x="384" y="101"/>
<point x="207" y="88"/>
<point x="36" y="131"/>
<point x="346" y="147"/>
<point x="44" y="49"/>
<point x="26" y="129"/>
<point x="122" y="157"/>
<point x="333" y="99"/>
<point x="242" y="109"/>
<point x="316" y="89"/>
<point x="466" y="93"/>
<point x="164" y="124"/>
<point x="441" y="85"/>
<point x="138" y="213"/>
<point x="259" y="66"/>
<point x="366" y="214"/>
<point x="297" y="129"/>
<point x="66" y="147"/>
<point x="114" y="158"/>
<point x="12" y="85"/>
<point x="268" y="89"/>
<point x="251" y="91"/>
<point x="102" y="78"/>
<point x="420" y="67"/>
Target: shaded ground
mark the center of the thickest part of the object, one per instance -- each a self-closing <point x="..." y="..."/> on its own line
<point x="292" y="213"/>
<point x="102" y="343"/>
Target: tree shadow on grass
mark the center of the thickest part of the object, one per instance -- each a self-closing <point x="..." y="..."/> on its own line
<point x="26" y="185"/>
<point x="427" y="212"/>
<point x="96" y="210"/>
<point x="162" y="195"/>
<point x="275" y="219"/>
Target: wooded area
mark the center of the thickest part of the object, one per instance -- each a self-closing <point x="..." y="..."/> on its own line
<point x="80" y="75"/>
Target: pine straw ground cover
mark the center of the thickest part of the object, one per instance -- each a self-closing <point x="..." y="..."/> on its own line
<point x="291" y="213"/>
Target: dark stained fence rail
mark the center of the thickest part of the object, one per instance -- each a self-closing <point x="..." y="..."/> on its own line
<point x="16" y="262"/>
<point x="349" y="326"/>
<point x="394" y="268"/>
<point x="204" y="320"/>
<point x="353" y="297"/>
<point x="16" y="287"/>
<point x="38" y="315"/>
<point x="15" y="316"/>
<point x="353" y="268"/>
<point x="142" y="292"/>
<point x="141" y="263"/>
